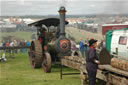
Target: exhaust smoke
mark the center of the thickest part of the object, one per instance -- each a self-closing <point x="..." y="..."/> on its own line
<point x="62" y="3"/>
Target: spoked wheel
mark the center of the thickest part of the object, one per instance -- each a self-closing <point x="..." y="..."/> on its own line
<point x="36" y="54"/>
<point x="46" y="64"/>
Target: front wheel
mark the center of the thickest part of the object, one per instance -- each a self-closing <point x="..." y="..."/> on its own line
<point x="46" y="64"/>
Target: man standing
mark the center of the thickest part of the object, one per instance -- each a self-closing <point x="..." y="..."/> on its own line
<point x="82" y="47"/>
<point x="92" y="61"/>
<point x="33" y="36"/>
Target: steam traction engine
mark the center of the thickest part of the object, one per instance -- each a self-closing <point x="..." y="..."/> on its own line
<point x="50" y="42"/>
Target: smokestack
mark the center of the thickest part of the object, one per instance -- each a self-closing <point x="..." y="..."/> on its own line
<point x="62" y="12"/>
<point x="62" y="44"/>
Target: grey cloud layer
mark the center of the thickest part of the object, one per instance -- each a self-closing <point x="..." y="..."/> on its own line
<point x="49" y="7"/>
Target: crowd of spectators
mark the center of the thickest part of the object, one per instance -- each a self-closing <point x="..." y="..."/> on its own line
<point x="12" y="43"/>
<point x="15" y="43"/>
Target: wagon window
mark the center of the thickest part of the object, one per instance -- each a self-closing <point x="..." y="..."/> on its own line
<point x="123" y="40"/>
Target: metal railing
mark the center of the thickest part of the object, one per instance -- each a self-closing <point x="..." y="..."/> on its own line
<point x="14" y="47"/>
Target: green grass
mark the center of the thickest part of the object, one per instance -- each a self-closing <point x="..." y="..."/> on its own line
<point x="18" y="71"/>
<point x="20" y="35"/>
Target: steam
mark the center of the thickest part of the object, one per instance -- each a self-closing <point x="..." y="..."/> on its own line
<point x="22" y="2"/>
<point x="62" y="3"/>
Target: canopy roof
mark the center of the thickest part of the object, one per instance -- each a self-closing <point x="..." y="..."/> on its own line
<point x="47" y="22"/>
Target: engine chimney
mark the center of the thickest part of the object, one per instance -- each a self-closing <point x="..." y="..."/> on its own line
<point x="62" y="44"/>
<point x="62" y="12"/>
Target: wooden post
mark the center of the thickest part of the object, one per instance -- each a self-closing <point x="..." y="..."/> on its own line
<point x="83" y="78"/>
<point x="108" y="83"/>
<point x="61" y="69"/>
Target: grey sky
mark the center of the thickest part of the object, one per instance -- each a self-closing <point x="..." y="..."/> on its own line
<point x="49" y="7"/>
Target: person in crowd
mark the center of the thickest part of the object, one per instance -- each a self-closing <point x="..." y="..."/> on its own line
<point x="15" y="44"/>
<point x="82" y="47"/>
<point x="12" y="50"/>
<point x="92" y="61"/>
<point x="101" y="44"/>
<point x="28" y="44"/>
<point x="4" y="44"/>
<point x="86" y="40"/>
<point x="33" y="36"/>
<point x="1" y="44"/>
<point x="86" y="47"/>
<point x="18" y="44"/>
<point x="7" y="44"/>
<point x="23" y="50"/>
<point x="11" y="44"/>
<point x="69" y="36"/>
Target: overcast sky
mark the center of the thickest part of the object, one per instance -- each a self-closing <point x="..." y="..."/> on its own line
<point x="50" y="7"/>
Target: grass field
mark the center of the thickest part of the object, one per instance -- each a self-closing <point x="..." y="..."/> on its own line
<point x="18" y="71"/>
<point x="77" y="34"/>
<point x="20" y="35"/>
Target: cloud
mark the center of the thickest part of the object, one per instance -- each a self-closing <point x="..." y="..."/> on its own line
<point x="92" y="5"/>
<point x="49" y="7"/>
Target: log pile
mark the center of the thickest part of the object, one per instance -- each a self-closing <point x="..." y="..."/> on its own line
<point x="120" y="64"/>
<point x="75" y="59"/>
<point x="74" y="62"/>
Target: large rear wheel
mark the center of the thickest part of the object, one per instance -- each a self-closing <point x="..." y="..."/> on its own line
<point x="46" y="64"/>
<point x="36" y="54"/>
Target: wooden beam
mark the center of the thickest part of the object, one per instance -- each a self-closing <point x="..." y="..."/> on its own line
<point x="114" y="70"/>
<point x="117" y="80"/>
